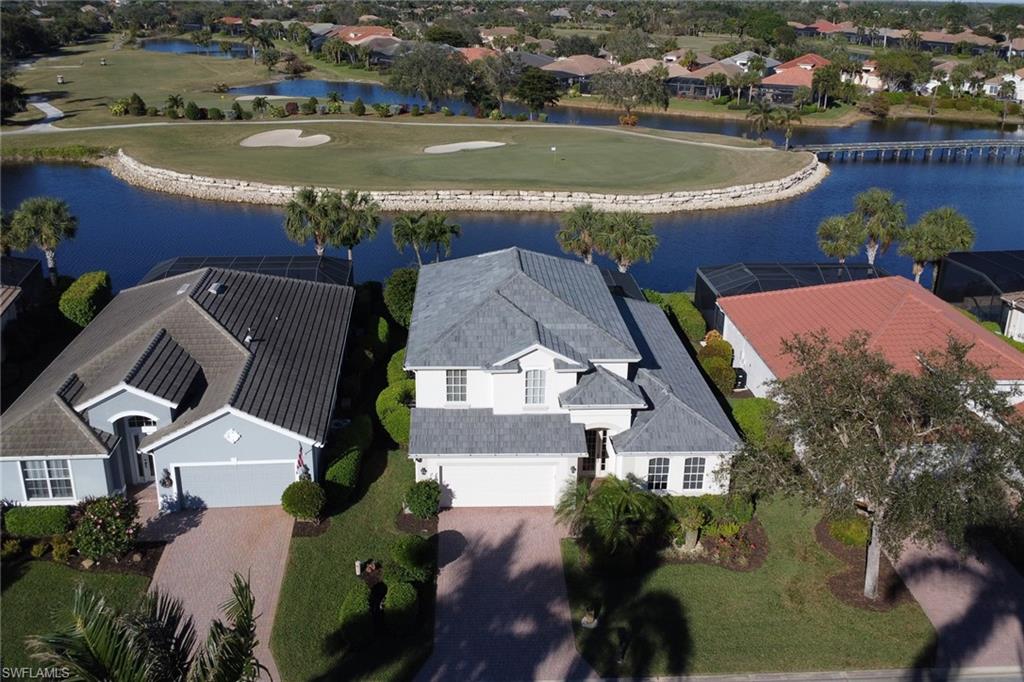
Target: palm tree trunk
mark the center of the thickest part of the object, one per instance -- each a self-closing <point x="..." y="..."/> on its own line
<point x="871" y="250"/>
<point x="918" y="270"/>
<point x="416" y="250"/>
<point x="51" y="265"/>
<point x="350" y="254"/>
<point x="319" y="247"/>
<point x="623" y="266"/>
<point x="588" y="257"/>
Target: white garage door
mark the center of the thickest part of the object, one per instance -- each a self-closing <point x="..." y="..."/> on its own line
<point x="498" y="485"/>
<point x="234" y="485"/>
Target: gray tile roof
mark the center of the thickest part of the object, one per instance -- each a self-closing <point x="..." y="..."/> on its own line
<point x="285" y="373"/>
<point x="440" y="431"/>
<point x="312" y="268"/>
<point x="686" y="415"/>
<point x="601" y="388"/>
<point x="469" y="312"/>
<point x="14" y="270"/>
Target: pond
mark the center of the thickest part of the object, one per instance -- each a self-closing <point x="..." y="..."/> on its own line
<point x="185" y="46"/>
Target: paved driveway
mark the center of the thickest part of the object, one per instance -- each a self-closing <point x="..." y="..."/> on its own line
<point x="502" y="608"/>
<point x="209" y="546"/>
<point x="977" y="607"/>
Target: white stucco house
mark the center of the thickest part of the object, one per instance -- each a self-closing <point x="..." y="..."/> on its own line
<point x="994" y="85"/>
<point x="533" y="370"/>
<point x="1013" y="315"/>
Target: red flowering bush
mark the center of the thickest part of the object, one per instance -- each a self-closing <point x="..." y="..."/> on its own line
<point x="106" y="527"/>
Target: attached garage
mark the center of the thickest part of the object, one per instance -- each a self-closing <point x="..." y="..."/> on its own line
<point x="243" y="484"/>
<point x="487" y="484"/>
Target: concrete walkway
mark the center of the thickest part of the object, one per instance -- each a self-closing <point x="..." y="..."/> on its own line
<point x="50" y="113"/>
<point x="502" y="608"/>
<point x="209" y="547"/>
<point x="976" y="606"/>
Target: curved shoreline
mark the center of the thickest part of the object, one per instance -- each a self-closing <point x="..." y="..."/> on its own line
<point x="136" y="173"/>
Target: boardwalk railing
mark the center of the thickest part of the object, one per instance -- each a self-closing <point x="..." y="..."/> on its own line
<point x="925" y="150"/>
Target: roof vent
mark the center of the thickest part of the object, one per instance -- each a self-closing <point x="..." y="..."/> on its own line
<point x="248" y="336"/>
<point x="216" y="288"/>
<point x="183" y="288"/>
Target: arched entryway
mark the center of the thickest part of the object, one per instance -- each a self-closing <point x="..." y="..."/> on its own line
<point x="595" y="464"/>
<point x="133" y="428"/>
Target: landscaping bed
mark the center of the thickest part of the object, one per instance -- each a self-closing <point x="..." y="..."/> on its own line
<point x="848" y="585"/>
<point x="746" y="551"/>
<point x="408" y="523"/>
<point x="306" y="529"/>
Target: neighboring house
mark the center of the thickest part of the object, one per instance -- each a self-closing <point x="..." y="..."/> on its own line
<point x="742" y="60"/>
<point x="703" y="59"/>
<point x="867" y="76"/>
<point x="21" y="286"/>
<point x="1012" y="47"/>
<point x="472" y="54"/>
<point x="357" y="35"/>
<point x="211" y="383"/>
<point x="1013" y="315"/>
<point x="577" y="70"/>
<point x="560" y="14"/>
<point x="977" y="280"/>
<point x="488" y="35"/>
<point x="230" y="25"/>
<point x="796" y="73"/>
<point x="902" y="319"/>
<point x="533" y="370"/>
<point x="995" y="84"/>
<point x="538" y="61"/>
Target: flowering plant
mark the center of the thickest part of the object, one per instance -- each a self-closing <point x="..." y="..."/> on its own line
<point x="106" y="527"/>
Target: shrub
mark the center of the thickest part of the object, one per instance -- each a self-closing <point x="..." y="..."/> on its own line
<point x="393" y="409"/>
<point x="423" y="498"/>
<point x="358" y="108"/>
<point x="106" y="527"/>
<point x="304" y="500"/>
<point x="37" y="522"/>
<point x="399" y="294"/>
<point x="152" y="111"/>
<point x="291" y="108"/>
<point x="752" y="416"/>
<point x="136" y="107"/>
<point x="383" y="333"/>
<point x="276" y="111"/>
<point x="412" y="559"/>
<point x="689" y="512"/>
<point x="39" y="549"/>
<point x="715" y="347"/>
<point x="852" y="531"/>
<point x="630" y="120"/>
<point x="358" y="434"/>
<point x="722" y="100"/>
<point x="400" y="607"/>
<point x="237" y="109"/>
<point x="721" y="373"/>
<point x="415" y="110"/>
<point x="119" y="107"/>
<point x="876" y="105"/>
<point x="11" y="547"/>
<point x="382" y="110"/>
<point x="246" y="115"/>
<point x="356" y="618"/>
<point x="170" y="112"/>
<point x="397" y="425"/>
<point x="495" y="115"/>
<point x="679" y="307"/>
<point x="542" y="117"/>
<point x="396" y="371"/>
<point x="86" y="296"/>
<point x="521" y="117"/>
<point x="62" y="546"/>
<point x="220" y="87"/>
<point x="737" y="106"/>
<point x="726" y="513"/>
<point x="215" y="114"/>
<point x="192" y="111"/>
<point x="447" y="111"/>
<point x="343" y="475"/>
<point x="307" y="108"/>
<point x="335" y="108"/>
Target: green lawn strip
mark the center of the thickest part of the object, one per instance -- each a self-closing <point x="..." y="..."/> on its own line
<point x="320" y="571"/>
<point x="705" y="108"/>
<point x="37" y="596"/>
<point x="370" y="154"/>
<point x="782" y="617"/>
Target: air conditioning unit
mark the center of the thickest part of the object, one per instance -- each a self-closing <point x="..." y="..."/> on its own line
<point x="741" y="379"/>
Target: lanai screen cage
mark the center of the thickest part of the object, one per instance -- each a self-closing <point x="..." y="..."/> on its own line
<point x="977" y="280"/>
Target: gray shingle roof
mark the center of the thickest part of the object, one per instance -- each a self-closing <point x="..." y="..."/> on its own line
<point x="470" y="311"/>
<point x="686" y="416"/>
<point x="601" y="388"/>
<point x="440" y="431"/>
<point x="286" y="374"/>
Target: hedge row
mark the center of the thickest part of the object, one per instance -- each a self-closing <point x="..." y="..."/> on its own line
<point x="37" y="522"/>
<point x="679" y="307"/>
<point x="393" y="409"/>
<point x="86" y="296"/>
<point x="723" y="515"/>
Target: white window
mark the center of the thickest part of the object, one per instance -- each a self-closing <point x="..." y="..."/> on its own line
<point x="47" y="479"/>
<point x="693" y="473"/>
<point x="534" y="387"/>
<point x="657" y="473"/>
<point x="140" y="422"/>
<point x="455" y="385"/>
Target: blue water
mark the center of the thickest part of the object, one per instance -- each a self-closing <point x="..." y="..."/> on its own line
<point x="125" y="230"/>
<point x="183" y="46"/>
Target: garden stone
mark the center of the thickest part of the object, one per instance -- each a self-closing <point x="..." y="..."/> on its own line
<point x="88" y="563"/>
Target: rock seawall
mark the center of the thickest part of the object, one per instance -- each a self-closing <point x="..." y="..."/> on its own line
<point x="137" y="173"/>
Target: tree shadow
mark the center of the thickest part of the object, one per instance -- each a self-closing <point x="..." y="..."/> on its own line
<point x="996" y="610"/>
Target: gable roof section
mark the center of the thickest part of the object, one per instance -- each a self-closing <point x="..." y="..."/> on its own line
<point x="602" y="388"/>
<point x="580" y="65"/>
<point x="901" y="317"/>
<point x="164" y="369"/>
<point x="809" y="60"/>
<point x="14" y="270"/>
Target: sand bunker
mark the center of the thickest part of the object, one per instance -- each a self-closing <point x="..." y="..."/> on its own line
<point x="461" y="146"/>
<point x="288" y="137"/>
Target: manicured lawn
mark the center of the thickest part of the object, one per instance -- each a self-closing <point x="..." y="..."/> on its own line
<point x="37" y="595"/>
<point x="703" y="108"/>
<point x="703" y="43"/>
<point x="704" y="619"/>
<point x="320" y="571"/>
<point x="370" y="153"/>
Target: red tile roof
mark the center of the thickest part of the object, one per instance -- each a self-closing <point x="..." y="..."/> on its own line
<point x="474" y="53"/>
<point x="791" y="77"/>
<point x="810" y="59"/>
<point x="901" y="317"/>
<point x="356" y="34"/>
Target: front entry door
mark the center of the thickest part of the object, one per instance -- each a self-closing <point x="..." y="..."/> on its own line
<point x="596" y="455"/>
<point x="143" y="461"/>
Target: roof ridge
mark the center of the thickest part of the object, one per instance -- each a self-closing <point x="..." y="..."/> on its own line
<point x="156" y="281"/>
<point x="145" y="354"/>
<point x="673" y="395"/>
<point x="457" y="324"/>
<point x="872" y="281"/>
<point x="617" y="381"/>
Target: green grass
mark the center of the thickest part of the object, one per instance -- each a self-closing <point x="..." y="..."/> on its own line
<point x="704" y="619"/>
<point x="704" y="108"/>
<point x="369" y="153"/>
<point x="37" y="596"/>
<point x="993" y="327"/>
<point x="703" y="43"/>
<point x="320" y="571"/>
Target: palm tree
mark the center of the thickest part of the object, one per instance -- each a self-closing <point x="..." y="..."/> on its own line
<point x="572" y="505"/>
<point x="762" y="116"/>
<point x="882" y="217"/>
<point x="620" y="516"/>
<point x="579" y="231"/>
<point x="360" y="219"/>
<point x="717" y="81"/>
<point x="256" y="38"/>
<point x="439" y="232"/>
<point x="44" y="222"/>
<point x="152" y="642"/>
<point x="840" y="237"/>
<point x="1007" y="90"/>
<point x="259" y="105"/>
<point x="736" y="83"/>
<point x="407" y="230"/>
<point x="175" y="103"/>
<point x="305" y="218"/>
<point x="937" y="234"/>
<point x="786" y="118"/>
<point x="627" y="238"/>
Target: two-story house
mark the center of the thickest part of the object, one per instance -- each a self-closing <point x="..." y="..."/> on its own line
<point x="532" y="371"/>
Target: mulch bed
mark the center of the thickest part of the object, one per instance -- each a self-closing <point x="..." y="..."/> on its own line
<point x="407" y="523"/>
<point x="848" y="585"/>
<point x="147" y="553"/>
<point x="751" y="559"/>
<point x="305" y="529"/>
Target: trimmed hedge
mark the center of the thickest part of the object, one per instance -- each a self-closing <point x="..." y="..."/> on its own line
<point x="399" y="294"/>
<point x="37" y="522"/>
<point x="343" y="475"/>
<point x="393" y="411"/>
<point x="400" y="607"/>
<point x="86" y="296"/>
<point x="715" y="347"/>
<point x="356" y="617"/>
<point x="423" y="498"/>
<point x="679" y="307"/>
<point x="396" y="371"/>
<point x="752" y="416"/>
<point x="383" y="333"/>
<point x="412" y="559"/>
<point x="304" y="500"/>
<point x="358" y="434"/>
<point x="721" y="373"/>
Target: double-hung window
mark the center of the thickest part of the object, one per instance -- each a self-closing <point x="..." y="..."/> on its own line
<point x="693" y="473"/>
<point x="47" y="479"/>
<point x="455" y="385"/>
<point x="657" y="473"/>
<point x="535" y="387"/>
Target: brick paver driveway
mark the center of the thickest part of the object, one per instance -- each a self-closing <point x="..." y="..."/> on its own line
<point x="977" y="607"/>
<point x="502" y="608"/>
<point x="209" y="546"/>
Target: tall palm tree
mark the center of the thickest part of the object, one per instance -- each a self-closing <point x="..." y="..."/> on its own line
<point x="44" y="222"/>
<point x="360" y="219"/>
<point x="883" y="218"/>
<point x="579" y="231"/>
<point x="439" y="232"/>
<point x="627" y="238"/>
<point x="938" y="233"/>
<point x="786" y="118"/>
<point x="257" y="39"/>
<point x="153" y="641"/>
<point x="305" y="218"/>
<point x="407" y="230"/>
<point x="1007" y="90"/>
<point x="840" y="237"/>
<point x="761" y="116"/>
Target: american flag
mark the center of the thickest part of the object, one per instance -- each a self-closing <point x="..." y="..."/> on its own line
<point x="300" y="465"/>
